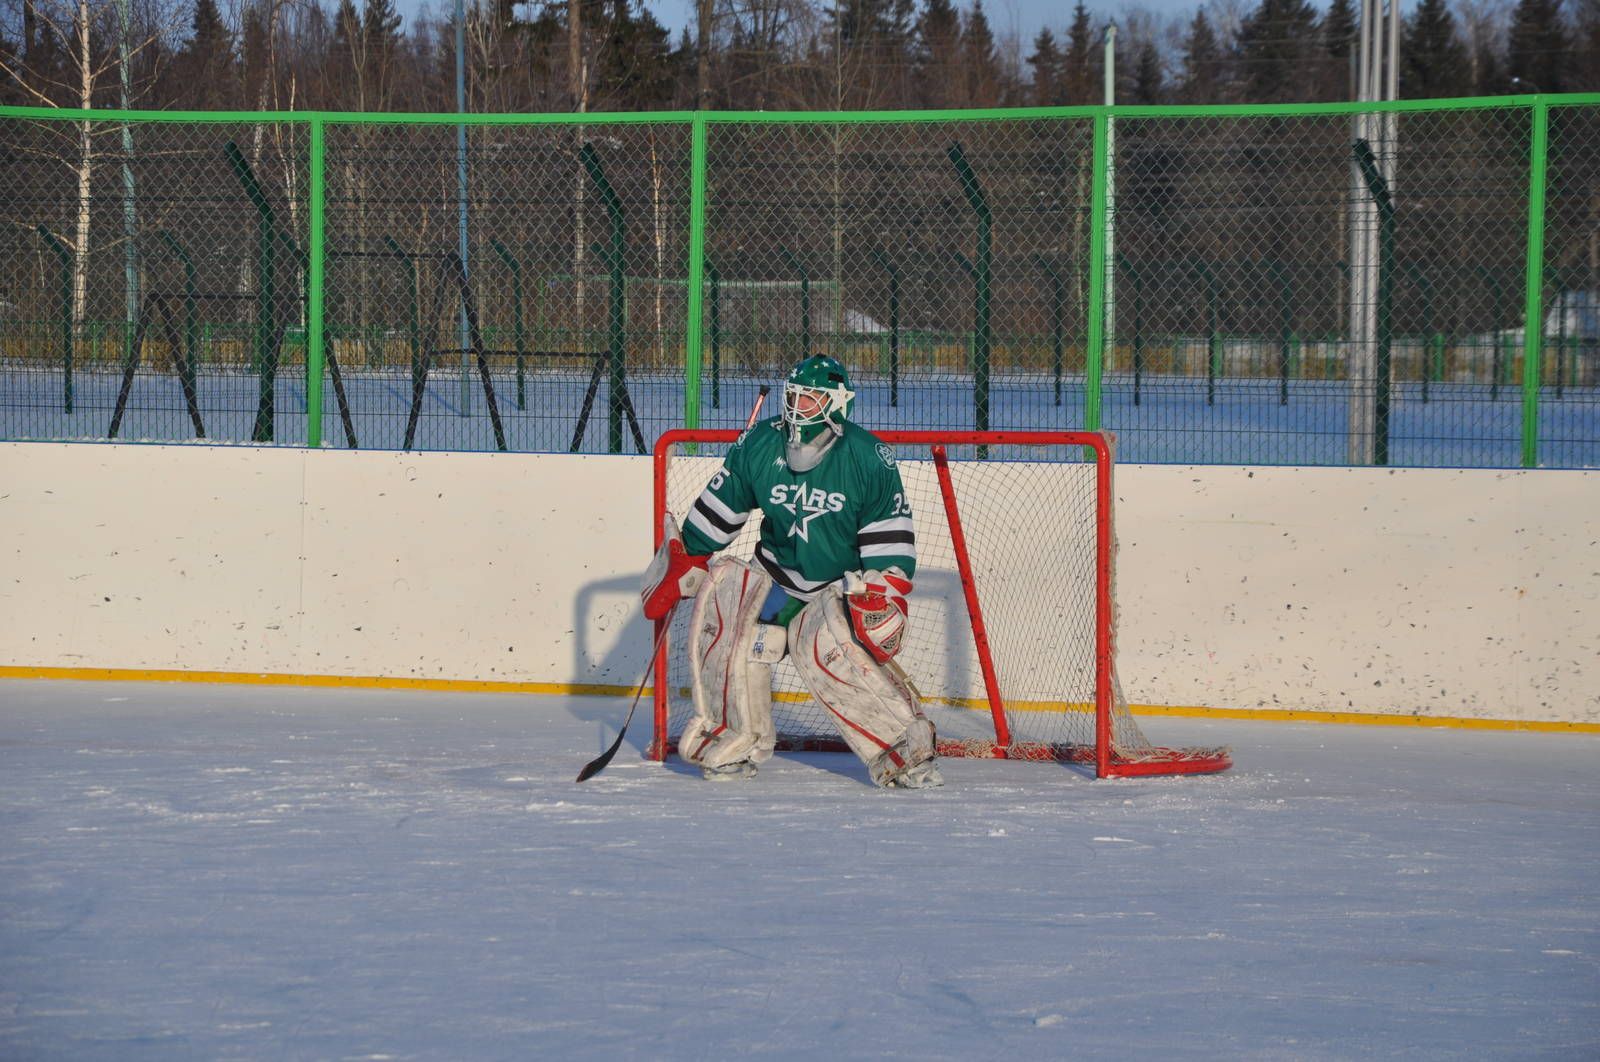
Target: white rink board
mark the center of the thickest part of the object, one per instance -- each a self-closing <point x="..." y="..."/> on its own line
<point x="1427" y="592"/>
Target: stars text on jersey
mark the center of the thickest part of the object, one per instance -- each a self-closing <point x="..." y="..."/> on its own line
<point x="806" y="503"/>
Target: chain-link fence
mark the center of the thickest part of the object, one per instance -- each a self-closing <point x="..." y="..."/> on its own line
<point x="1306" y="284"/>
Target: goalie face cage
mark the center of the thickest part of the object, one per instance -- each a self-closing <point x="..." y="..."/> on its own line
<point x="1010" y="643"/>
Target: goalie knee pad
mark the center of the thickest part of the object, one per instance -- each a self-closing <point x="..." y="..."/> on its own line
<point x="872" y="705"/>
<point x="731" y="654"/>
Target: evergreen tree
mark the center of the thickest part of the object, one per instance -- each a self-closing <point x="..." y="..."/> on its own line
<point x="862" y="22"/>
<point x="1275" y="43"/>
<point x="1536" y="48"/>
<point x="254" y="53"/>
<point x="1046" y="63"/>
<point x="204" y="66"/>
<point x="346" y="36"/>
<point x="1586" y="46"/>
<point x="1202" y="62"/>
<point x="938" y="54"/>
<point x="635" y="67"/>
<point x="1339" y="30"/>
<point x="1433" y="59"/>
<point x="1078" y="63"/>
<point x="380" y="26"/>
<point x="1149" y="83"/>
<point x="1492" y="77"/>
<point x="981" y="62"/>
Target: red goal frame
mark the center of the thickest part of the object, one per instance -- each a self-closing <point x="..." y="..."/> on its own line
<point x="1107" y="762"/>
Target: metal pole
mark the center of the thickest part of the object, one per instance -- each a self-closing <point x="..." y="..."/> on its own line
<point x="805" y="300"/>
<point x="1533" y="294"/>
<point x="1094" y="341"/>
<point x="894" y="324"/>
<point x="982" y="277"/>
<point x="130" y="215"/>
<point x="315" y="262"/>
<point x="1359" y="358"/>
<point x="1110" y="340"/>
<point x="66" y="314"/>
<point x="1382" y="306"/>
<point x="693" y="365"/>
<point x="461" y="202"/>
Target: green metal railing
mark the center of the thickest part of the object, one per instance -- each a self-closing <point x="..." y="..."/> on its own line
<point x="962" y="259"/>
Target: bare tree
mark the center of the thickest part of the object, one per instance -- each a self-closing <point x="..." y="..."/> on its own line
<point x="81" y="31"/>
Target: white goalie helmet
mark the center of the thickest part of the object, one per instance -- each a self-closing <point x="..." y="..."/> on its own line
<point x="816" y="402"/>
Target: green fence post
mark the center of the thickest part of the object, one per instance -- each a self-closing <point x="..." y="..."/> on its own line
<point x="1095" y="339"/>
<point x="894" y="323"/>
<point x="316" y="252"/>
<point x="1058" y="299"/>
<point x="1497" y="358"/>
<point x="714" y="290"/>
<point x="266" y="241"/>
<point x="1379" y="188"/>
<point x="66" y="314"/>
<point x="1137" y="342"/>
<point x="982" y="273"/>
<point x="191" y="313"/>
<point x="1214" y="350"/>
<point x="516" y="319"/>
<point x="805" y="299"/>
<point x="692" y="362"/>
<point x="615" y="256"/>
<point x="1280" y="273"/>
<point x="1533" y="298"/>
<point x="1425" y="290"/>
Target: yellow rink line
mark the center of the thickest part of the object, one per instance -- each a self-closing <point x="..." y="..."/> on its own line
<point x="571" y="689"/>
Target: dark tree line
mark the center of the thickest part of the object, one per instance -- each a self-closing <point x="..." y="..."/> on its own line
<point x="615" y="55"/>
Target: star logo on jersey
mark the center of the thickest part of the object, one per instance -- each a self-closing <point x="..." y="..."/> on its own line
<point x="807" y="506"/>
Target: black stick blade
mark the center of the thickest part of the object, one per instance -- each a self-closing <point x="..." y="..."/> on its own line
<point x="598" y="764"/>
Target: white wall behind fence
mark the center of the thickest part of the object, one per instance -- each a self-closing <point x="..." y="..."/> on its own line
<point x="1429" y="592"/>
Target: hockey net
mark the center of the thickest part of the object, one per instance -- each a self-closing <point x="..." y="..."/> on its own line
<point x="1011" y="636"/>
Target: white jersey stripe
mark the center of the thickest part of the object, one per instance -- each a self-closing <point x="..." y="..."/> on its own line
<point x="698" y="521"/>
<point x="715" y="504"/>
<point x="894" y="523"/>
<point x="887" y="549"/>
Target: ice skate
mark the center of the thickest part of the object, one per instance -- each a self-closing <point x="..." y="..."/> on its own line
<point x="729" y="772"/>
<point x="924" y="775"/>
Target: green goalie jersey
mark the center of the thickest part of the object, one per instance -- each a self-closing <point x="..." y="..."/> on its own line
<point x="848" y="514"/>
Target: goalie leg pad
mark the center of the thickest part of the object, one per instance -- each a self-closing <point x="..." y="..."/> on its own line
<point x="730" y="657"/>
<point x="873" y="707"/>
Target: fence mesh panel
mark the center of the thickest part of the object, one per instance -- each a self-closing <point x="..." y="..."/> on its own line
<point x="523" y="290"/>
<point x="1243" y="314"/>
<point x="153" y="282"/>
<point x="1305" y="286"/>
<point x="1570" y="366"/>
<point x="943" y="264"/>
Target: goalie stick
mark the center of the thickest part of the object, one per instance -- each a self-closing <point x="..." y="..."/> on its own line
<point x="598" y="764"/>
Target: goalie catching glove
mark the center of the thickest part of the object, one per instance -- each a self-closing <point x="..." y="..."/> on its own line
<point x="673" y="573"/>
<point x="878" y="610"/>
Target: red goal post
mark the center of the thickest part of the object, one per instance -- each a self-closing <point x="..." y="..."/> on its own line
<point x="1012" y="635"/>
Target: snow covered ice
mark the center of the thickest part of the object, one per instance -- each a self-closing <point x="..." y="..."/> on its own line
<point x="218" y="872"/>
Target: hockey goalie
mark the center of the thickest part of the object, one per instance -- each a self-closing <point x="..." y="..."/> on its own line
<point x="827" y="587"/>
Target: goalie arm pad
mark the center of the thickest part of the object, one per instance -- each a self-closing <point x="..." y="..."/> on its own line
<point x="878" y="611"/>
<point x="674" y="573"/>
